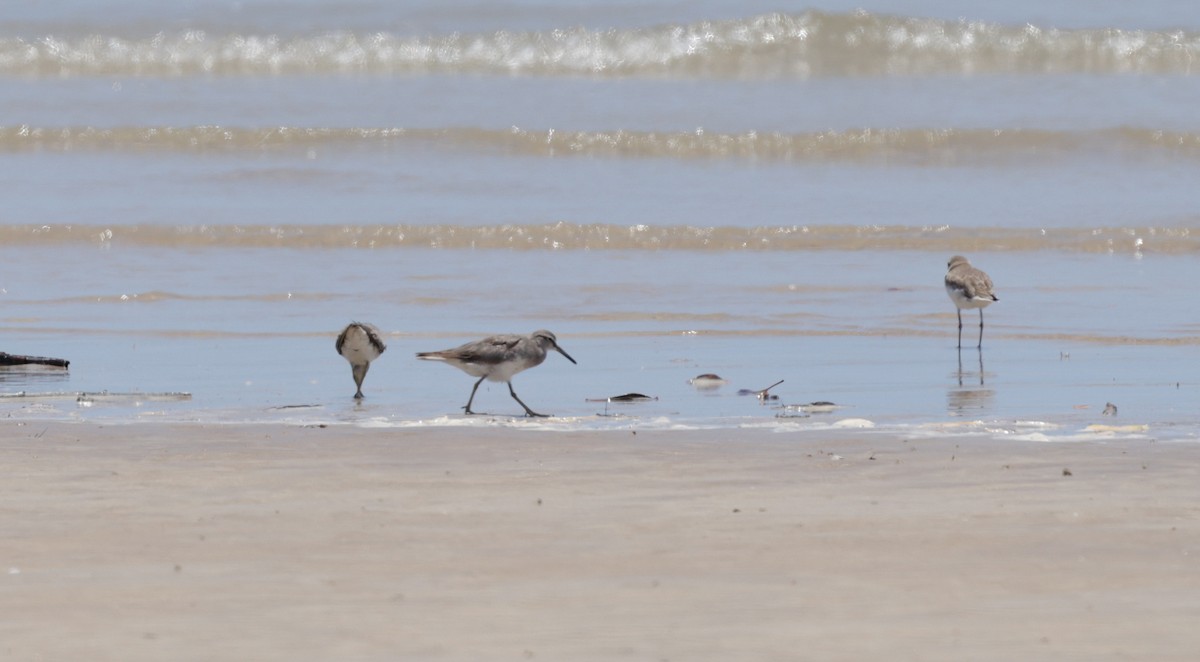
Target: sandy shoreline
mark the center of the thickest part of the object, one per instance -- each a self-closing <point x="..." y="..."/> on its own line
<point x="191" y="542"/>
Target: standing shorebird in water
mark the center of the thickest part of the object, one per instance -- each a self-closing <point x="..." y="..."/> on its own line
<point x="498" y="358"/>
<point x="968" y="287"/>
<point x="360" y="344"/>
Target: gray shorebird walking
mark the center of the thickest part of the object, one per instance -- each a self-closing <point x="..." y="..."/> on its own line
<point x="498" y="358"/>
<point x="360" y="344"/>
<point x="968" y="287"/>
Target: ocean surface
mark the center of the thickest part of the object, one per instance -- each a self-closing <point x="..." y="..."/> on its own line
<point x="199" y="196"/>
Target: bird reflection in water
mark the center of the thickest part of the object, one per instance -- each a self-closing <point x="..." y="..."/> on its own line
<point x="967" y="397"/>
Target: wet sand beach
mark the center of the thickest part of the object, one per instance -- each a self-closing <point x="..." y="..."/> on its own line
<point x="272" y="542"/>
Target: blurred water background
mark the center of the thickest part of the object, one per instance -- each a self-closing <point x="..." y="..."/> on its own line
<point x="199" y="196"/>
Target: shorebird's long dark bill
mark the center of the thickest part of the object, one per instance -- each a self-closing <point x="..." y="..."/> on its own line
<point x="560" y="351"/>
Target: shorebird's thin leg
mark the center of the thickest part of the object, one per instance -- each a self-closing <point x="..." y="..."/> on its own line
<point x="980" y="366"/>
<point x="360" y="373"/>
<point x="960" y="372"/>
<point x="959" y="311"/>
<point x="472" y="398"/>
<point x="980" y="345"/>
<point x="528" y="411"/>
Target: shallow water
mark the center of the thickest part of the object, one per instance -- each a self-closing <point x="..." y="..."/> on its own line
<point x="206" y="195"/>
<point x="863" y="329"/>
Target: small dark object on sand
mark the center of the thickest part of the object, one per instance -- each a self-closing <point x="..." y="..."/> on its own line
<point x="707" y="382"/>
<point x="627" y="397"/>
<point x="19" y="359"/>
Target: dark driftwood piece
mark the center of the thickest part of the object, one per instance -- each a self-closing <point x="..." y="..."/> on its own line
<point x="18" y="359"/>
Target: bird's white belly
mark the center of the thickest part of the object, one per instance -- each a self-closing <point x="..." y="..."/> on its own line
<point x="358" y="347"/>
<point x="494" y="372"/>
<point x="500" y="372"/>
<point x="961" y="300"/>
<point x="360" y="354"/>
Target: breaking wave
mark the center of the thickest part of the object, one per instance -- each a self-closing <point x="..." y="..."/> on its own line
<point x="780" y="45"/>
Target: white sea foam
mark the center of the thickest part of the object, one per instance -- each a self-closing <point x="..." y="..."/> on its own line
<point x="766" y="46"/>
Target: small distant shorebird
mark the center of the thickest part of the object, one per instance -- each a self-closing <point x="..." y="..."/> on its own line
<point x="498" y="358"/>
<point x="968" y="287"/>
<point x="360" y="344"/>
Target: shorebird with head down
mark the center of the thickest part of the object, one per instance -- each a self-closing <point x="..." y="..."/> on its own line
<point x="968" y="287"/>
<point x="360" y="344"/>
<point x="498" y="358"/>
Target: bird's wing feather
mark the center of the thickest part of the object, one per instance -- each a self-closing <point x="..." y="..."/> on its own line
<point x="341" y="340"/>
<point x="489" y="350"/>
<point x="377" y="342"/>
